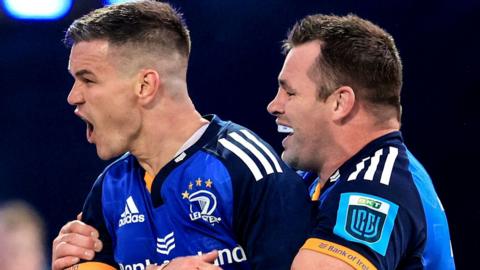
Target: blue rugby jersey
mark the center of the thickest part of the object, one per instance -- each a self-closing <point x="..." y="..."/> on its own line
<point x="229" y="191"/>
<point x="380" y="211"/>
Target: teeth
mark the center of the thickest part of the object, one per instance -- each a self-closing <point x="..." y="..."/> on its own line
<point x="284" y="129"/>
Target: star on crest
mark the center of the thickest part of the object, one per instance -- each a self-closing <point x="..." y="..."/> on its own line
<point x="198" y="182"/>
<point x="208" y="183"/>
<point x="190" y="186"/>
<point x="185" y="195"/>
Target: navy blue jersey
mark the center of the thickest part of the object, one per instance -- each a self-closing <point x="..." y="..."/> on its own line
<point x="380" y="211"/>
<point x="229" y="192"/>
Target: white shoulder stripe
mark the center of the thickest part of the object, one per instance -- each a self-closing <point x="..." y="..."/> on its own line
<point x="373" y="165"/>
<point x="387" y="169"/>
<point x="264" y="148"/>
<point x="359" y="168"/>
<point x="244" y="157"/>
<point x="268" y="168"/>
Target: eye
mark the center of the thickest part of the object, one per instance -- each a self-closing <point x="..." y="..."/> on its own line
<point x="87" y="81"/>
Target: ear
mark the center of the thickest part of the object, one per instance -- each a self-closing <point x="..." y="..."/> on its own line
<point x="344" y="102"/>
<point x="148" y="85"/>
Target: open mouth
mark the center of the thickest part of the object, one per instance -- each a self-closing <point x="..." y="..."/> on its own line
<point x="285" y="129"/>
<point x="89" y="131"/>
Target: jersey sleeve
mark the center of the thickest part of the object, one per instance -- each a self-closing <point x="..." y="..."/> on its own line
<point x="370" y="225"/>
<point x="93" y="215"/>
<point x="272" y="209"/>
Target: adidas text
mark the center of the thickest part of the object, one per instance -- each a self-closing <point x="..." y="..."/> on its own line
<point x="135" y="218"/>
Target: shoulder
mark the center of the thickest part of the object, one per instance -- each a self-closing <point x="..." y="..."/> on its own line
<point x="244" y="152"/>
<point x="112" y="176"/>
<point x="373" y="202"/>
<point x="116" y="169"/>
<point x="385" y="172"/>
<point x="380" y="183"/>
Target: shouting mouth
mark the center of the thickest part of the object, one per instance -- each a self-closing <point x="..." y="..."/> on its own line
<point x="90" y="127"/>
<point x="89" y="131"/>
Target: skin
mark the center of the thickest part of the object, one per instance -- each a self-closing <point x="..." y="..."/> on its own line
<point x="76" y="240"/>
<point x="104" y="98"/>
<point x="21" y="248"/>
<point x="295" y="101"/>
<point x="326" y="132"/>
<point x="133" y="108"/>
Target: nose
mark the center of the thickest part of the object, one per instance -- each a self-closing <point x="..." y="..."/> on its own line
<point x="75" y="97"/>
<point x="276" y="106"/>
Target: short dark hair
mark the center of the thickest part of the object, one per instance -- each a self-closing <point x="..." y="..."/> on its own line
<point x="354" y="52"/>
<point x="152" y="24"/>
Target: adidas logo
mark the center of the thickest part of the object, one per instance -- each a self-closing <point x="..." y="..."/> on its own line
<point x="130" y="214"/>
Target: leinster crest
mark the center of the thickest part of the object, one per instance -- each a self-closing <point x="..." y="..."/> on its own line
<point x="202" y="202"/>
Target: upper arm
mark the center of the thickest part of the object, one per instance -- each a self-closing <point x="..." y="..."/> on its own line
<point x="92" y="215"/>
<point x="311" y="260"/>
<point x="273" y="218"/>
<point x="321" y="254"/>
<point x="382" y="223"/>
<point x="272" y="209"/>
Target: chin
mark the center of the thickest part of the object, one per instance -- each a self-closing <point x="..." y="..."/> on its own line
<point x="291" y="161"/>
<point x="106" y="155"/>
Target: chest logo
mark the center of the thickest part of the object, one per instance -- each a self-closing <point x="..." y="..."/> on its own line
<point x="130" y="214"/>
<point x="202" y="201"/>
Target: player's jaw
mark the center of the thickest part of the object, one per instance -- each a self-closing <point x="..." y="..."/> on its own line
<point x="288" y="142"/>
<point x="93" y="136"/>
<point x="296" y="145"/>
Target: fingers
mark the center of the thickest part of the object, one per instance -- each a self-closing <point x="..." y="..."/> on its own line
<point x="75" y="241"/>
<point x="79" y="227"/>
<point x="72" y="248"/>
<point x="79" y="216"/>
<point x="202" y="262"/>
<point x="64" y="262"/>
<point x="79" y="234"/>
<point x="209" y="257"/>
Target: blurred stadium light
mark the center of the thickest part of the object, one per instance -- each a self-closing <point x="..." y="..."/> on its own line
<point x="110" y="2"/>
<point x="37" y="9"/>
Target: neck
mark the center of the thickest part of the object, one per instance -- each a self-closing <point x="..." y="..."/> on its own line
<point x="347" y="144"/>
<point x="164" y="133"/>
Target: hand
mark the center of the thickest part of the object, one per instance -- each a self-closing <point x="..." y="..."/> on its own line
<point x="202" y="262"/>
<point x="76" y="240"/>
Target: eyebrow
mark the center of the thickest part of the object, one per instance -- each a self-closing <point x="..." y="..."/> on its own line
<point x="283" y="83"/>
<point x="83" y="72"/>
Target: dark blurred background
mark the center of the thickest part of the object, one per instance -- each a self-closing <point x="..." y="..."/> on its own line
<point x="236" y="56"/>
